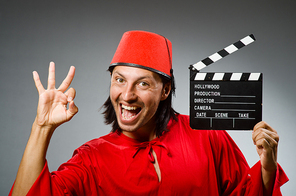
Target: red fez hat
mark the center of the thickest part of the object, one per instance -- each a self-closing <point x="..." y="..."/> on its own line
<point x="144" y="50"/>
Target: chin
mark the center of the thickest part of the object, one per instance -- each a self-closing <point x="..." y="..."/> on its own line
<point x="128" y="128"/>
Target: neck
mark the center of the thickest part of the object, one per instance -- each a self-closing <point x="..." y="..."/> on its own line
<point x="141" y="135"/>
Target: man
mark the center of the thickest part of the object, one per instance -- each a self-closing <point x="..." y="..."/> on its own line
<point x="151" y="149"/>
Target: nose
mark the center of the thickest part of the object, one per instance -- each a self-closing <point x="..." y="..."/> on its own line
<point x="129" y="93"/>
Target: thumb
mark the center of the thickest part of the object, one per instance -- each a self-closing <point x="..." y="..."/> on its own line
<point x="72" y="110"/>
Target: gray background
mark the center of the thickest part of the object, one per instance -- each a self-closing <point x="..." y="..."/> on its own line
<point x="86" y="33"/>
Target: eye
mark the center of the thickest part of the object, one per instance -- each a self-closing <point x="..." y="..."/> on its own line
<point x="119" y="80"/>
<point x="144" y="84"/>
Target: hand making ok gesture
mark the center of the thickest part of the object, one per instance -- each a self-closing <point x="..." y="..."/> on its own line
<point x="52" y="106"/>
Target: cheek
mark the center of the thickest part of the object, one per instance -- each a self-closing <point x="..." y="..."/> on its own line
<point x="152" y="100"/>
<point x="114" y="93"/>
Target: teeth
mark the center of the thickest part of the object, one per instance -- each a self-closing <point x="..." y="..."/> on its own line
<point x="128" y="108"/>
<point x="124" y="107"/>
<point x="126" y="118"/>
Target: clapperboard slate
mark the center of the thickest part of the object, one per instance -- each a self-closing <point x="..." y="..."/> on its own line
<point x="225" y="101"/>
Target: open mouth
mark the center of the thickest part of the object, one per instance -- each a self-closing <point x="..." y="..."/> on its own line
<point x="129" y="112"/>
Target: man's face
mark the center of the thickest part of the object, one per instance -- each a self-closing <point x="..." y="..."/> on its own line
<point x="135" y="95"/>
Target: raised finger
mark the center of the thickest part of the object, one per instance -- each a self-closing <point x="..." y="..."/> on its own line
<point x="51" y="76"/>
<point x="67" y="81"/>
<point x="38" y="83"/>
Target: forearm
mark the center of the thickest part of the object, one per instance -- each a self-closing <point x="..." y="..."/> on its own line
<point x="33" y="159"/>
<point x="268" y="178"/>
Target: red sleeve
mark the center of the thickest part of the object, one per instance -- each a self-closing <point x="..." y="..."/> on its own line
<point x="42" y="185"/>
<point x="235" y="176"/>
<point x="75" y="177"/>
<point x="256" y="180"/>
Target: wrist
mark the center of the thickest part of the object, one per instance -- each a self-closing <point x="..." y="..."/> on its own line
<point x="42" y="128"/>
<point x="268" y="178"/>
<point x="41" y="133"/>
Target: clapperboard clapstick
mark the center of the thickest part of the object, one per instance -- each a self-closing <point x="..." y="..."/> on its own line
<point x="225" y="101"/>
<point x="224" y="52"/>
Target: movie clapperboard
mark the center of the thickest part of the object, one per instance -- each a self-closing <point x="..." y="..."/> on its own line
<point x="225" y="101"/>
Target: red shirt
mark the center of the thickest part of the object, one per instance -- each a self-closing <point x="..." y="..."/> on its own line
<point x="192" y="162"/>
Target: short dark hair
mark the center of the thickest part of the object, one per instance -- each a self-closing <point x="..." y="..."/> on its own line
<point x="163" y="114"/>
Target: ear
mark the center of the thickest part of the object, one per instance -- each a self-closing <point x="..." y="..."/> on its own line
<point x="166" y="90"/>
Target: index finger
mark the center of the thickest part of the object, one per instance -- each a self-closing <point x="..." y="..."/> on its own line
<point x="67" y="81"/>
<point x="263" y="125"/>
<point x="263" y="128"/>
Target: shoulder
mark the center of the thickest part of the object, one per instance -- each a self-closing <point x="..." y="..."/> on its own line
<point x="218" y="140"/>
<point x="103" y="140"/>
<point x="182" y="126"/>
<point x="182" y="120"/>
<point x="94" y="144"/>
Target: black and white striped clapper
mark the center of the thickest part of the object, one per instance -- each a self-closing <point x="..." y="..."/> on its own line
<point x="224" y="101"/>
<point x="223" y="53"/>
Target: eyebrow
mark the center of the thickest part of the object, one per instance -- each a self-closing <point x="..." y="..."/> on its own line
<point x="140" y="78"/>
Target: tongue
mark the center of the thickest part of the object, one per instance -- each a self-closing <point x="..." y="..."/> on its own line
<point x="129" y="113"/>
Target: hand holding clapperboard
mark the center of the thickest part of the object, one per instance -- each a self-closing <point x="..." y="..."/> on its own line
<point x="225" y="101"/>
